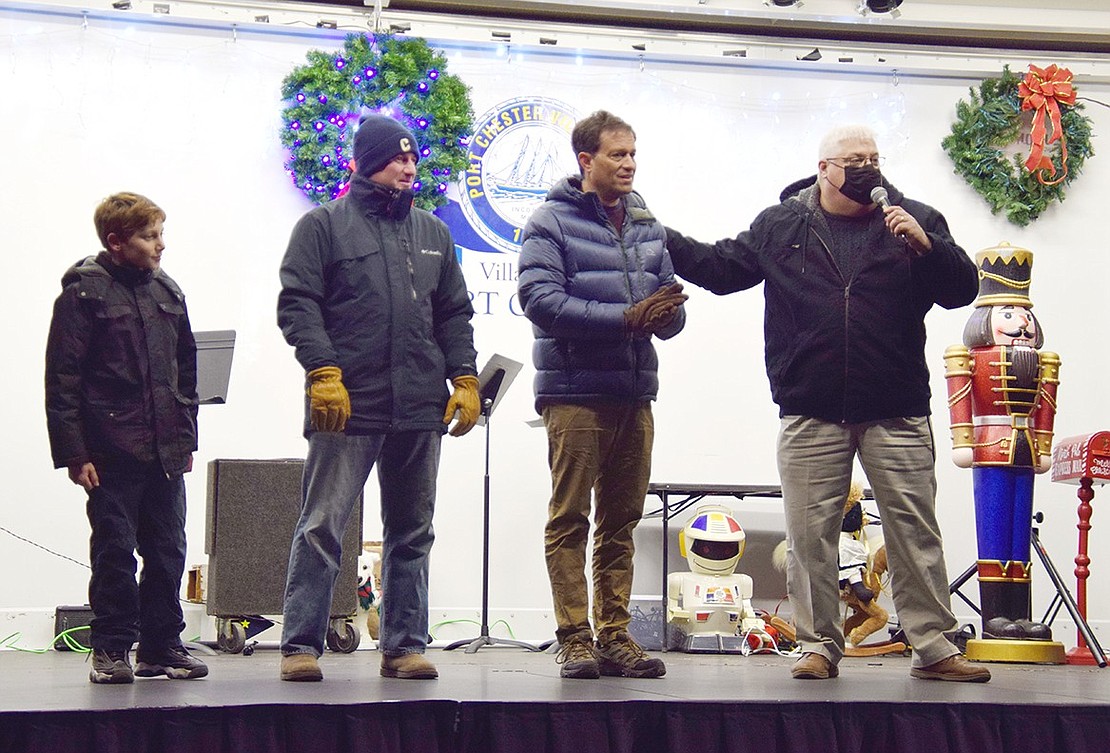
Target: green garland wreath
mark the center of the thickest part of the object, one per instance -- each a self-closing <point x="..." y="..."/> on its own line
<point x="992" y="119"/>
<point x="403" y="78"/>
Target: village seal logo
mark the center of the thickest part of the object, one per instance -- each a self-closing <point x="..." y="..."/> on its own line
<point x="518" y="150"/>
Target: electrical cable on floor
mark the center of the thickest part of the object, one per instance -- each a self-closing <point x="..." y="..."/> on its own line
<point x="65" y="636"/>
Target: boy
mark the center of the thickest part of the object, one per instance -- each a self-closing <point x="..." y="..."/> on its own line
<point x="121" y="409"/>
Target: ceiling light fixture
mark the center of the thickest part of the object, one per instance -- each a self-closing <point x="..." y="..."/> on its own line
<point x="783" y="3"/>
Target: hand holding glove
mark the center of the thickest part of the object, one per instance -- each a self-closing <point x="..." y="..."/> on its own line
<point x="330" y="406"/>
<point x="646" y="317"/>
<point x="466" y="401"/>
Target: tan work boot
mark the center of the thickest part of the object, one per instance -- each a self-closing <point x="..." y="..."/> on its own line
<point x="813" y="666"/>
<point x="408" y="667"/>
<point x="300" y="668"/>
<point x="953" y="669"/>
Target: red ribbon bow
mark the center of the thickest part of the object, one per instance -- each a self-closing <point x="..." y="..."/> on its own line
<point x="1043" y="91"/>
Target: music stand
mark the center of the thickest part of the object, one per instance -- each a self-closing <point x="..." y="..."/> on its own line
<point x="493" y="382"/>
<point x="214" y="352"/>
<point x="215" y="349"/>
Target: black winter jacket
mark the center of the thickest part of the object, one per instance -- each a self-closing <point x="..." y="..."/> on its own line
<point x="121" y="369"/>
<point x="841" y="349"/>
<point x="385" y="301"/>
<point x="577" y="278"/>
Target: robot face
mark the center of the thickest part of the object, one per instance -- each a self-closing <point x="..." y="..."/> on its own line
<point x="1013" y="325"/>
<point x="716" y="550"/>
<point x="713" y="541"/>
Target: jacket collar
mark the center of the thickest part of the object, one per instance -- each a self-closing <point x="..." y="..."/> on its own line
<point x="569" y="189"/>
<point x="129" y="276"/>
<point x="378" y="200"/>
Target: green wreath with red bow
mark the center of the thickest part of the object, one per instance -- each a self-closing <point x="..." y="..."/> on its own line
<point x="1021" y="188"/>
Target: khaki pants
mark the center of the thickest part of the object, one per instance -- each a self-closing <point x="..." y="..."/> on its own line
<point x="815" y="461"/>
<point x="604" y="449"/>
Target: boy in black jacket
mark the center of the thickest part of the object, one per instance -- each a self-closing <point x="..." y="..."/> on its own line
<point x="121" y="408"/>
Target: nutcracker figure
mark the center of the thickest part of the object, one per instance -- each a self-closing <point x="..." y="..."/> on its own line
<point x="1002" y="404"/>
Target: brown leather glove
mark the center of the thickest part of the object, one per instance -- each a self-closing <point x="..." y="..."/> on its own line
<point x="644" y="318"/>
<point x="330" y="406"/>
<point x="466" y="401"/>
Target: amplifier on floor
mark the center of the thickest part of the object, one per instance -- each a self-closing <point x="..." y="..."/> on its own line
<point x="75" y="619"/>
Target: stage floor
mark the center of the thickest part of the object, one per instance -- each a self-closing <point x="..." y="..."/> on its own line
<point x="513" y="699"/>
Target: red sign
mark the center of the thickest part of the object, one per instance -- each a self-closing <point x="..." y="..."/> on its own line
<point x="1086" y="456"/>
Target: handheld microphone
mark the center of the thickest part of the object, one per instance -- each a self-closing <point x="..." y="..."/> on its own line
<point x="880" y="196"/>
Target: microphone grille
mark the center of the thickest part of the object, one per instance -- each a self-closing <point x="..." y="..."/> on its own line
<point x="879" y="195"/>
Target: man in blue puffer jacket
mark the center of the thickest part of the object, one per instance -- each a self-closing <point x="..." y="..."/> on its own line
<point x="597" y="284"/>
<point x="850" y="267"/>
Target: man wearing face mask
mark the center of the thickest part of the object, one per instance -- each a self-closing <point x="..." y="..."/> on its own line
<point x="847" y="284"/>
<point x="374" y="302"/>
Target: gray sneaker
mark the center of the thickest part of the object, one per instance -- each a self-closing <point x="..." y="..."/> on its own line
<point x="174" y="662"/>
<point x="111" y="668"/>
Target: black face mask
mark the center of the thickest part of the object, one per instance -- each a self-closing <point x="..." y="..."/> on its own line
<point x="859" y="182"/>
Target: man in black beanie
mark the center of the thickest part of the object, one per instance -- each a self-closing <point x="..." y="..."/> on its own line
<point x="375" y="305"/>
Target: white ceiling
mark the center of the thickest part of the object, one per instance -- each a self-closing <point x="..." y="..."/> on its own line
<point x="1047" y="25"/>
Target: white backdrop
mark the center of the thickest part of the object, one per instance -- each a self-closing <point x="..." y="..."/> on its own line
<point x="190" y="118"/>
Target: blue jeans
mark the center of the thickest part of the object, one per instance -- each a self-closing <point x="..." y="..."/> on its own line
<point x="335" y="473"/>
<point x="136" y="507"/>
<point x="815" y="460"/>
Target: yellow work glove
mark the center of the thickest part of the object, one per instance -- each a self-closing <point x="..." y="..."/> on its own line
<point x="330" y="405"/>
<point x="466" y="401"/>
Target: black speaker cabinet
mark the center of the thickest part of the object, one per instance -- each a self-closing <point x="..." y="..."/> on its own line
<point x="253" y="507"/>
<point x="76" y="619"/>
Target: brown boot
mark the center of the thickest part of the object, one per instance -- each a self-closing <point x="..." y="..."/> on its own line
<point x="623" y="657"/>
<point x="813" y="666"/>
<point x="408" y="667"/>
<point x="953" y="669"/>
<point x="300" y="668"/>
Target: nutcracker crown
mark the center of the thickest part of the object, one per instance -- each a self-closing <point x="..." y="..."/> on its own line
<point x="1004" y="276"/>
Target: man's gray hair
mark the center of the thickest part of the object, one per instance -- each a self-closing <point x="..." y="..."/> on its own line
<point x="831" y="143"/>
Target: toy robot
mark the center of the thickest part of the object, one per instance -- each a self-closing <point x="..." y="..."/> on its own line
<point x="1002" y="405"/>
<point x="709" y="609"/>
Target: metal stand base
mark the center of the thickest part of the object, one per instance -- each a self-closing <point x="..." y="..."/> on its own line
<point x="484" y="639"/>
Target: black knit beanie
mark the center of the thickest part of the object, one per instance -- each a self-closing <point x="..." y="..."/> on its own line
<point x="378" y="140"/>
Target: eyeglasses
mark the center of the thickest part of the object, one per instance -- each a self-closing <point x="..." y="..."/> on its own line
<point x="875" y="161"/>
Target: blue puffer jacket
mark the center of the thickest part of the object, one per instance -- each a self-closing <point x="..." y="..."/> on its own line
<point x="577" y="278"/>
